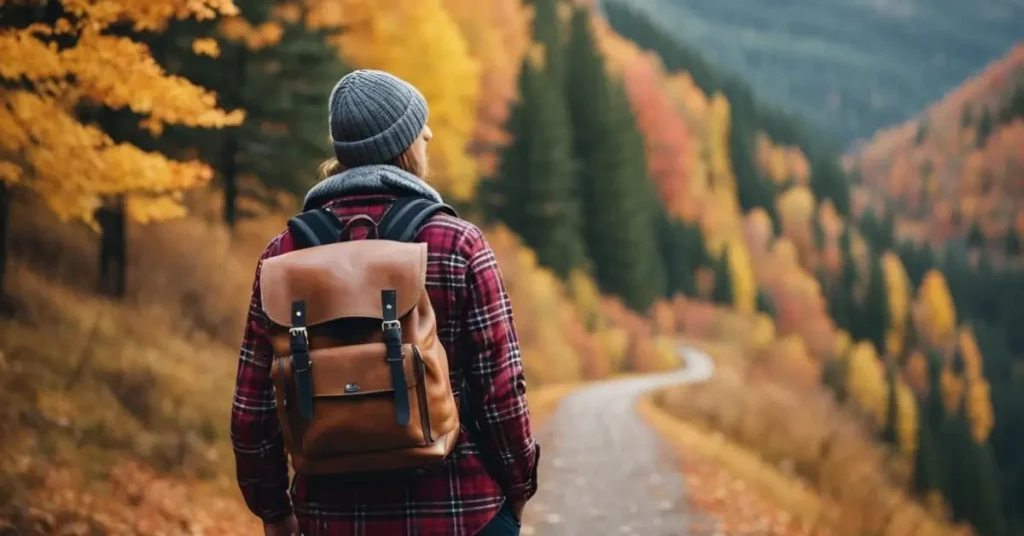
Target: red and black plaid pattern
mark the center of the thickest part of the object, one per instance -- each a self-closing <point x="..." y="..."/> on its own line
<point x="499" y="461"/>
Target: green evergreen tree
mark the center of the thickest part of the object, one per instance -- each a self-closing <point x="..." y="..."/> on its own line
<point x="887" y="230"/>
<point x="1014" y="107"/>
<point x="984" y="128"/>
<point x="890" y="433"/>
<point x="973" y="479"/>
<point x="875" y="310"/>
<point x="534" y="192"/>
<point x="549" y="32"/>
<point x="828" y="181"/>
<point x="840" y="304"/>
<point x="620" y="220"/>
<point x="723" y="292"/>
<point x="928" y="469"/>
<point x="1011" y="242"/>
<point x="974" y="237"/>
<point x="870" y="226"/>
<point x="281" y="88"/>
<point x="674" y="242"/>
<point x="935" y="412"/>
<point x="843" y="308"/>
<point x="764" y="303"/>
<point x="966" y="115"/>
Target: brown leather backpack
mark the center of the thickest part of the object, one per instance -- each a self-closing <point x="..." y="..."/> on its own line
<point x="360" y="377"/>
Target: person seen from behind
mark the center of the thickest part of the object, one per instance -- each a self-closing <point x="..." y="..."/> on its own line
<point x="482" y="473"/>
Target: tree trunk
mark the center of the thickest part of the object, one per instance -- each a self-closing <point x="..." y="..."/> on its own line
<point x="113" y="246"/>
<point x="5" y="216"/>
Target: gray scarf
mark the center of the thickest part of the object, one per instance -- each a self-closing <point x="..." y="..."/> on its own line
<point x="362" y="180"/>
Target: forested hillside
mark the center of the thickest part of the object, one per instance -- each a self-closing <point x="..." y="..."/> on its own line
<point x="850" y="67"/>
<point x="918" y="337"/>
<point x="632" y="193"/>
<point x="955" y="173"/>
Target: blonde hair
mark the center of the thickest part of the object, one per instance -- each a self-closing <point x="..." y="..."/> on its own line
<point x="407" y="161"/>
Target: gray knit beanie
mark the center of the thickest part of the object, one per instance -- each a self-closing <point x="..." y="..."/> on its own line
<point x="375" y="116"/>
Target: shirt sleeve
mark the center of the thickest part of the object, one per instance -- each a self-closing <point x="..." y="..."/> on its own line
<point x="494" y="372"/>
<point x="260" y="460"/>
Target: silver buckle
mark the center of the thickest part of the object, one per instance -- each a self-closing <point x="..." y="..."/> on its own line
<point x="294" y="332"/>
<point x="390" y="324"/>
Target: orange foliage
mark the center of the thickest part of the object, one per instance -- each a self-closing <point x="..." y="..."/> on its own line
<point x="665" y="134"/>
<point x="936" y="160"/>
<point x="781" y="164"/>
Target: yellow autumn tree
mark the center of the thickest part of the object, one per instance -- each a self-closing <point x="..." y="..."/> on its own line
<point x="935" y="314"/>
<point x="978" y="401"/>
<point x="916" y="372"/>
<point x="744" y="286"/>
<point x="419" y="41"/>
<point x="497" y="33"/>
<point x="796" y="210"/>
<point x="906" y="418"/>
<point x="46" y="147"/>
<point x="720" y="163"/>
<point x="865" y="380"/>
<point x="898" y="290"/>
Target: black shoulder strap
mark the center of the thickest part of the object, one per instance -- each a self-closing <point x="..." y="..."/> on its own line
<point x="403" y="219"/>
<point x="401" y="222"/>
<point x="314" y="228"/>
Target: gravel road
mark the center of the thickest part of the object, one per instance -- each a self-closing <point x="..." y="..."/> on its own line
<point x="603" y="471"/>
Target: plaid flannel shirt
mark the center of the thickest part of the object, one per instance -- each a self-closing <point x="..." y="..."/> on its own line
<point x="495" y="463"/>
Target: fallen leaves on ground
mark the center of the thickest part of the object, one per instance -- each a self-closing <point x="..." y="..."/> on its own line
<point x="737" y="505"/>
<point x="132" y="500"/>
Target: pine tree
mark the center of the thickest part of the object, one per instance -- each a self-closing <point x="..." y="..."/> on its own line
<point x="890" y="432"/>
<point x="966" y="115"/>
<point x="840" y="304"/>
<point x="723" y="292"/>
<point x="754" y="190"/>
<point x="984" y="128"/>
<point x="534" y="193"/>
<point x="673" y="243"/>
<point x="829" y="182"/>
<point x="547" y="30"/>
<point x="928" y="469"/>
<point x="973" y="479"/>
<point x="280" y="83"/>
<point x="875" y="310"/>
<point x="1014" y="107"/>
<point x="765" y="304"/>
<point x="619" y="217"/>
<point x="974" y="237"/>
<point x="1011" y="242"/>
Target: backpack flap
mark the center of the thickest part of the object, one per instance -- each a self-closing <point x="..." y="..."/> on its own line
<point x="343" y="280"/>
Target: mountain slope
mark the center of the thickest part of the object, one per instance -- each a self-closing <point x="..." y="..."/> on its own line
<point x="957" y="170"/>
<point x="849" y="66"/>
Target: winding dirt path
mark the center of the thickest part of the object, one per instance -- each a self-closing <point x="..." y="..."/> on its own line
<point x="603" y="471"/>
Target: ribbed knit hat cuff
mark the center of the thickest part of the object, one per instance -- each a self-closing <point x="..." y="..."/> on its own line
<point x="387" y="145"/>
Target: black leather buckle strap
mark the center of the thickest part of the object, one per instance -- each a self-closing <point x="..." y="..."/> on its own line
<point x="393" y="342"/>
<point x="298" y="341"/>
